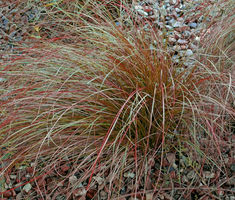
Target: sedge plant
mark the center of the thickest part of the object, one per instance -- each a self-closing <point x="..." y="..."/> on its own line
<point x="110" y="104"/>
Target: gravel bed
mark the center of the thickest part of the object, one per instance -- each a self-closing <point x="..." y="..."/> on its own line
<point x="182" y="23"/>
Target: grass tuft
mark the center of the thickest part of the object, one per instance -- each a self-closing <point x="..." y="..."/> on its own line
<point x="112" y="101"/>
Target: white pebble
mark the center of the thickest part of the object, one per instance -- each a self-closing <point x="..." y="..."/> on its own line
<point x="180" y="41"/>
<point x="27" y="187"/>
<point x="177" y="24"/>
<point x="189" y="52"/>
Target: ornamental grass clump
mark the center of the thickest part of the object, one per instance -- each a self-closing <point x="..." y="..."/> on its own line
<point x="111" y="103"/>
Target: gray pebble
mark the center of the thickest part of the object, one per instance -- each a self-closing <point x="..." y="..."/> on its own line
<point x="13" y="177"/>
<point x="189" y="52"/>
<point x="177" y="10"/>
<point x="163" y="11"/>
<point x="103" y="195"/>
<point x="27" y="187"/>
<point x="176" y="24"/>
<point x="180" y="41"/>
<point x="174" y="57"/>
<point x="193" y="25"/>
<point x="169" y="27"/>
<point x="187" y="34"/>
<point x="60" y="197"/>
<point x="141" y="12"/>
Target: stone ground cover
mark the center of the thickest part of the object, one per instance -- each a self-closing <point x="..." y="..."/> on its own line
<point x="186" y="28"/>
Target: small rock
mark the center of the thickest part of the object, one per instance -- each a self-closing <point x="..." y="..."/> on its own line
<point x="197" y="38"/>
<point x="22" y="167"/>
<point x="98" y="179"/>
<point x="182" y="28"/>
<point x="73" y="180"/>
<point x="169" y="27"/>
<point x="33" y="164"/>
<point x="80" y="192"/>
<point x="60" y="197"/>
<point x="180" y="19"/>
<point x="163" y="11"/>
<point x="171" y="158"/>
<point x="232" y="198"/>
<point x="141" y="12"/>
<point x="183" y="47"/>
<point x="191" y="175"/>
<point x="19" y="196"/>
<point x="171" y="40"/>
<point x="189" y="63"/>
<point x="187" y="34"/>
<point x="10" y="185"/>
<point x="138" y="7"/>
<point x="180" y="41"/>
<point x="6" y="186"/>
<point x="177" y="61"/>
<point x="189" y="52"/>
<point x="149" y="196"/>
<point x="177" y="35"/>
<point x="167" y="18"/>
<point x="13" y="177"/>
<point x="193" y="25"/>
<point x="177" y="10"/>
<point x="226" y="160"/>
<point x="176" y="47"/>
<point x="27" y="187"/>
<point x="208" y="175"/>
<point x="192" y="46"/>
<point x="27" y="175"/>
<point x="129" y="175"/>
<point x="174" y="166"/>
<point x="151" y="47"/>
<point x="103" y="195"/>
<point x="176" y="24"/>
<point x="174" y="57"/>
<point x="117" y="23"/>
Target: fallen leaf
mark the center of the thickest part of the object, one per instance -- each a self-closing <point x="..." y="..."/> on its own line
<point x="37" y="28"/>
